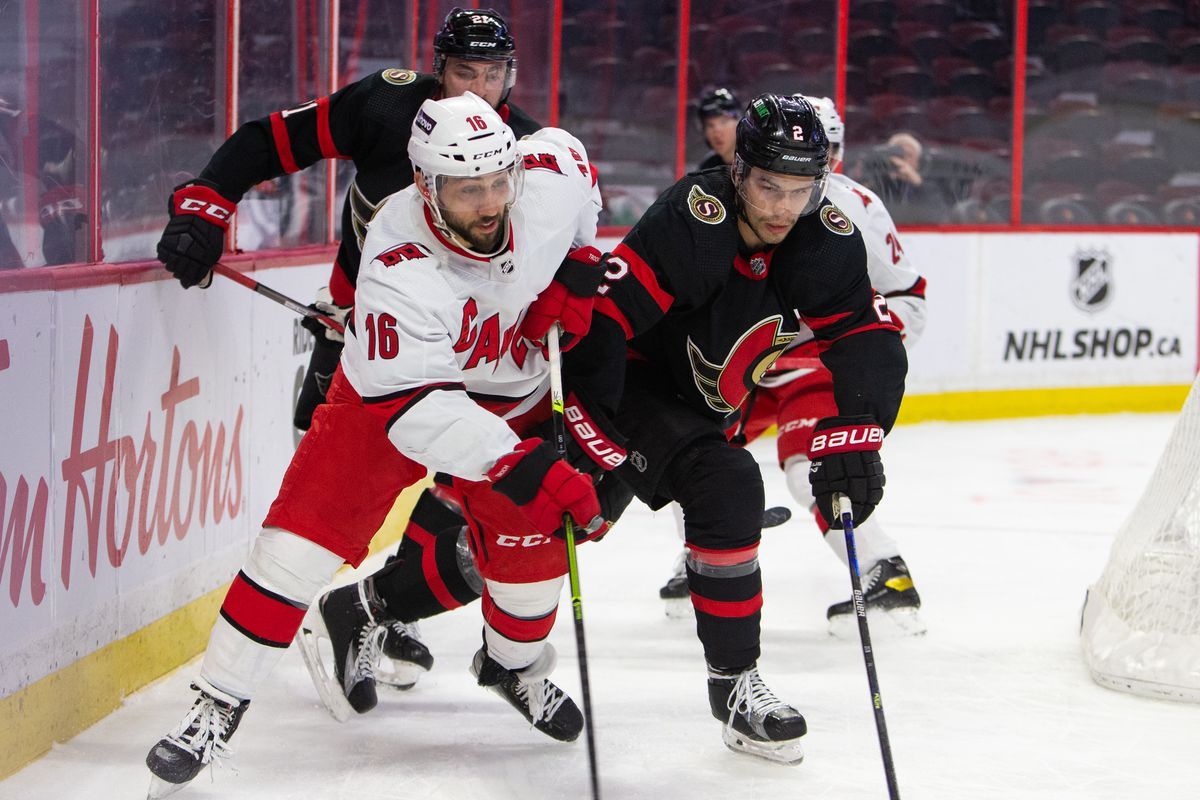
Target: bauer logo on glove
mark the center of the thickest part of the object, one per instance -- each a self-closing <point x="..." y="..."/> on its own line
<point x="845" y="460"/>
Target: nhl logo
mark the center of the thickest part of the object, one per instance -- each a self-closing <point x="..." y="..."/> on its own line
<point x="638" y="460"/>
<point x="758" y="265"/>
<point x="1091" y="286"/>
<point x="507" y="266"/>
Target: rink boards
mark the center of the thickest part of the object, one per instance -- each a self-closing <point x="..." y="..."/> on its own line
<point x="146" y="429"/>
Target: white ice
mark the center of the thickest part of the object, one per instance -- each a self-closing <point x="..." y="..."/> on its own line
<point x="1004" y="525"/>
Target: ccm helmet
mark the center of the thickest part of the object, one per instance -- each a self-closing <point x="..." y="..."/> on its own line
<point x="834" y="128"/>
<point x="462" y="137"/>
<point x="476" y="34"/>
<point x="715" y="102"/>
<point x="782" y="135"/>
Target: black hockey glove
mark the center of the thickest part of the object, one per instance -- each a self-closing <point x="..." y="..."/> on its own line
<point x="194" y="238"/>
<point x="324" y="304"/>
<point x="594" y="445"/>
<point x="845" y="460"/>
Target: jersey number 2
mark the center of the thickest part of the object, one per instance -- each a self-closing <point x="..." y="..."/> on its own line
<point x="382" y="337"/>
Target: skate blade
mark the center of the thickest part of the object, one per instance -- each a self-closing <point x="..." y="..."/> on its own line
<point x="896" y="623"/>
<point x="789" y="752"/>
<point x="398" y="675"/>
<point x="678" y="607"/>
<point x="329" y="688"/>
<point x="160" y="788"/>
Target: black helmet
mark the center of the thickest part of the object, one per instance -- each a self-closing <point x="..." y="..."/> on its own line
<point x="716" y="101"/>
<point x="476" y="34"/>
<point x="781" y="134"/>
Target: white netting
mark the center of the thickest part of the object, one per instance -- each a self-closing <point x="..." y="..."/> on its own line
<point x="1141" y="622"/>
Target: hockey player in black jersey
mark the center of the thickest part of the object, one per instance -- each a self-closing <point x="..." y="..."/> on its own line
<point x="703" y="294"/>
<point x="367" y="122"/>
<point x="718" y="112"/>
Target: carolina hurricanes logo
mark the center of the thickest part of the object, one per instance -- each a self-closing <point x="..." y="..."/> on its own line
<point x="542" y="161"/>
<point x="405" y="252"/>
<point x="725" y="386"/>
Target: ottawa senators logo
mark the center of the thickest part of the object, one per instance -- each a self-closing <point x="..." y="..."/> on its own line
<point x="408" y="251"/>
<point x="542" y="161"/>
<point x="399" y="77"/>
<point x="725" y="386"/>
<point x="836" y="221"/>
<point x="705" y="207"/>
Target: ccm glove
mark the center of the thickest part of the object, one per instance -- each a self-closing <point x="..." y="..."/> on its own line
<point x="844" y="456"/>
<point x="194" y="239"/>
<point x="544" y="488"/>
<point x="325" y="305"/>
<point x="568" y="299"/>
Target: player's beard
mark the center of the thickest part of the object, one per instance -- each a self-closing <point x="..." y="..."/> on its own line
<point x="472" y="229"/>
<point x="759" y="223"/>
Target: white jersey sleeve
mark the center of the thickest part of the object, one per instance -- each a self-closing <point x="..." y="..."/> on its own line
<point x="892" y="272"/>
<point x="560" y="143"/>
<point x="400" y="354"/>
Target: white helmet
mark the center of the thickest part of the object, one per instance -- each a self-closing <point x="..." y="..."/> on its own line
<point x="828" y="114"/>
<point x="462" y="137"/>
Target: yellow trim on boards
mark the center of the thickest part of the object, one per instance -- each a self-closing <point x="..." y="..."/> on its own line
<point x="959" y="406"/>
<point x="77" y="696"/>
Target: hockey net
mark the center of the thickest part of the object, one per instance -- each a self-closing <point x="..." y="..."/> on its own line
<point x="1141" y="621"/>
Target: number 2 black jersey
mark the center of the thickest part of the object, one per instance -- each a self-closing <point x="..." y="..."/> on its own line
<point x="715" y="317"/>
<point x="368" y="122"/>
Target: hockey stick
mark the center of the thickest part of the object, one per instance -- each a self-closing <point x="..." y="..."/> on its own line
<point x="864" y="634"/>
<point x="278" y="297"/>
<point x="560" y="444"/>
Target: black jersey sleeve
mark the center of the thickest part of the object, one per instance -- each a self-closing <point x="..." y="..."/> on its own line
<point x="342" y="125"/>
<point x="857" y="340"/>
<point x="521" y="123"/>
<point x="672" y="259"/>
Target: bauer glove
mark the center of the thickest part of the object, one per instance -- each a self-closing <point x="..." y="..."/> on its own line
<point x="844" y="456"/>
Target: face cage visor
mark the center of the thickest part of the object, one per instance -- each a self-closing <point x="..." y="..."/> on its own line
<point x="743" y="175"/>
<point x="468" y="195"/>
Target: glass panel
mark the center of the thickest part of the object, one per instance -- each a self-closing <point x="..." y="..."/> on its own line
<point x="43" y="134"/>
<point x="1112" y="123"/>
<point x="785" y="46"/>
<point x="929" y="107"/>
<point x="618" y="96"/>
<point x="283" y="52"/>
<point x="161" y="111"/>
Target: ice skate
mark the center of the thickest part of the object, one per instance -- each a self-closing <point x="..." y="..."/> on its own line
<point x="890" y="596"/>
<point x="756" y="721"/>
<point x="406" y="657"/>
<point x="202" y="738"/>
<point x="544" y="705"/>
<point x="675" y="594"/>
<point x="345" y="619"/>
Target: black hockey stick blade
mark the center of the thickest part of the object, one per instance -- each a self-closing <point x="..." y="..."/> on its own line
<point x="776" y="516"/>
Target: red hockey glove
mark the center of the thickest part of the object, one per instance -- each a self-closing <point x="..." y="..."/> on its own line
<point x="568" y="299"/>
<point x="845" y="460"/>
<point x="195" y="237"/>
<point x="544" y="488"/>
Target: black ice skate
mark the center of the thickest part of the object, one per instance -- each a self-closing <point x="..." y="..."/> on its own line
<point x="675" y="591"/>
<point x="889" y="594"/>
<point x="346" y="618"/>
<point x="756" y="721"/>
<point x="202" y="738"/>
<point x="406" y="656"/>
<point x="544" y="705"/>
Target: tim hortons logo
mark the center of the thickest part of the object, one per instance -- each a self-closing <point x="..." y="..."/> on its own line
<point x="177" y="474"/>
<point x="725" y="385"/>
<point x="409" y="251"/>
<point x="542" y="161"/>
<point x="1091" y="281"/>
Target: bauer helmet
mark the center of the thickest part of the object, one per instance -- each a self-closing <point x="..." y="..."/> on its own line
<point x="785" y="136"/>
<point x="462" y="137"/>
<point x="715" y="102"/>
<point x="476" y="34"/>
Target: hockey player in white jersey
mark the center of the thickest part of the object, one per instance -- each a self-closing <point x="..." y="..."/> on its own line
<point x="462" y="274"/>
<point x="798" y="392"/>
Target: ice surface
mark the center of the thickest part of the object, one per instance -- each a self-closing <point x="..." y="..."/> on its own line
<point x="1004" y="525"/>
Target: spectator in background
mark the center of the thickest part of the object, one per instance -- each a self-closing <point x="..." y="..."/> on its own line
<point x="894" y="172"/>
<point x="719" y="111"/>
